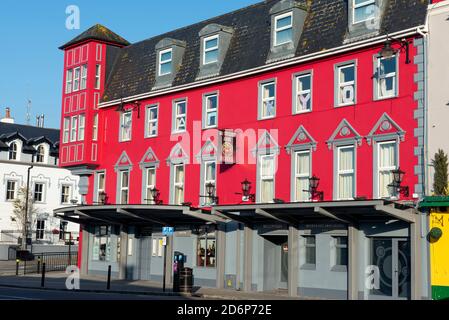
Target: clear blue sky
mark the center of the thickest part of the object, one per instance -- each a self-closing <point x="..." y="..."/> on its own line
<point x="31" y="32"/>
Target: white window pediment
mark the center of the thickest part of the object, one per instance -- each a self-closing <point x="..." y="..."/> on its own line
<point x="301" y="140"/>
<point x="344" y="134"/>
<point x="266" y="145"/>
<point x="123" y="162"/>
<point x="207" y="152"/>
<point x="178" y="155"/>
<point x="386" y="129"/>
<point x="149" y="159"/>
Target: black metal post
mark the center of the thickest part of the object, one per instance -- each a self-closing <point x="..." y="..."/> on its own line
<point x="38" y="265"/>
<point x="109" y="278"/>
<point x="25" y="227"/>
<point x="43" y="275"/>
<point x="17" y="267"/>
<point x="25" y="267"/>
<point x="165" y="265"/>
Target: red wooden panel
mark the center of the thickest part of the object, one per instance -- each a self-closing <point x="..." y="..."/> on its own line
<point x="99" y="52"/>
<point x="80" y="152"/>
<point x="75" y="103"/>
<point x="94" y="152"/>
<point x="77" y="56"/>
<point x="72" y="150"/>
<point x="82" y="101"/>
<point x="67" y="104"/>
<point x="85" y="53"/>
<point x="64" y="158"/>
<point x="96" y="100"/>
<point x="69" y="56"/>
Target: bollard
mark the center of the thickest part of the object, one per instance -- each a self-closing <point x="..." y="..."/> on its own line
<point x="43" y="275"/>
<point x="38" y="265"/>
<point x="17" y="267"/>
<point x="109" y="278"/>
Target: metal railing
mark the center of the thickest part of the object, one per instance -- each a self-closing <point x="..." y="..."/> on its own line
<point x="54" y="261"/>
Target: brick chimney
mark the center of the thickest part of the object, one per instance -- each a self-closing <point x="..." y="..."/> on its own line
<point x="7" y="118"/>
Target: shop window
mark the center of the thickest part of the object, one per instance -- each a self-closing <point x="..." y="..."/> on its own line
<point x="102" y="243"/>
<point x="206" y="245"/>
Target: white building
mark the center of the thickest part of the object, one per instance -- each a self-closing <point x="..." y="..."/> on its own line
<point x="23" y="146"/>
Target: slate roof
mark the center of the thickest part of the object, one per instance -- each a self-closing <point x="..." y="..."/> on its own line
<point x="97" y="32"/>
<point x="325" y="27"/>
<point x="31" y="134"/>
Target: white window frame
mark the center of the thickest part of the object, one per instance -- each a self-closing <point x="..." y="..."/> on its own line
<point x="277" y="30"/>
<point x="150" y="121"/>
<point x="380" y="169"/>
<point x="13" y="150"/>
<point x="308" y="246"/>
<point x="123" y="188"/>
<point x="42" y="200"/>
<point x="338" y="247"/>
<point x="267" y="177"/>
<point x="299" y="92"/>
<point x="355" y="6"/>
<point x="73" y="128"/>
<point x="207" y="50"/>
<point x="103" y="189"/>
<point x="81" y="127"/>
<point x="163" y="62"/>
<point x="66" y="130"/>
<point x="208" y="111"/>
<point x="83" y="82"/>
<point x="40" y="232"/>
<point x="69" y="193"/>
<point x="297" y="175"/>
<point x="380" y="77"/>
<point x="207" y="201"/>
<point x="341" y="85"/>
<point x="98" y="76"/>
<point x="13" y="191"/>
<point x="69" y="81"/>
<point x="178" y="185"/>
<point x="264" y="101"/>
<point x="42" y="155"/>
<point x="177" y="116"/>
<point x="123" y="136"/>
<point x="149" y="186"/>
<point x="95" y="128"/>
<point x="76" y="79"/>
<point x="346" y="172"/>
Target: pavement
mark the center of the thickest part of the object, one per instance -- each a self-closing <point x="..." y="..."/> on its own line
<point x="91" y="284"/>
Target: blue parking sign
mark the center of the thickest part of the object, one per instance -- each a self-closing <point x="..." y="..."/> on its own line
<point x="168" y="231"/>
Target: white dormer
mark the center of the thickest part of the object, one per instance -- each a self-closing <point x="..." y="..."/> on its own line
<point x="15" y="150"/>
<point x="42" y="152"/>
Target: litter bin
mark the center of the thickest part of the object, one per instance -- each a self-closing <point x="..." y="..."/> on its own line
<point x="186" y="280"/>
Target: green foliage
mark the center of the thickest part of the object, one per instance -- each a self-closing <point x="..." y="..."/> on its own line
<point x="440" y="182"/>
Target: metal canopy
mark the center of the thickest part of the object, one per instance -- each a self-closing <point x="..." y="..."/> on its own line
<point x="347" y="212"/>
<point x="155" y="215"/>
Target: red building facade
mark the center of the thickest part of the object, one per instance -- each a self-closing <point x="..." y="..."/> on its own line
<point x="306" y="89"/>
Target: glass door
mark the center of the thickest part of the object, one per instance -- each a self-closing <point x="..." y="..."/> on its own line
<point x="391" y="258"/>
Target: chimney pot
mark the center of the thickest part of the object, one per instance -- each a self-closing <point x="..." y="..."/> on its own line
<point x="8" y="113"/>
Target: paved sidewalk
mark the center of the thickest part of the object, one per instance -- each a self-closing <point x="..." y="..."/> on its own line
<point x="56" y="281"/>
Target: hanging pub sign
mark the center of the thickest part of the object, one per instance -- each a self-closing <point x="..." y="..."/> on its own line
<point x="227" y="147"/>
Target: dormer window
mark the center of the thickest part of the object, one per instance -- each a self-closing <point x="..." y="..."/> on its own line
<point x="287" y="23"/>
<point x="363" y="10"/>
<point x="165" y="62"/>
<point x="283" y="32"/>
<point x="13" y="151"/>
<point x="211" y="49"/>
<point x="215" y="40"/>
<point x="169" y="54"/>
<point x="40" y="155"/>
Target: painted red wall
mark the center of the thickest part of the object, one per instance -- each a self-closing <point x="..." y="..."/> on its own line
<point x="238" y="105"/>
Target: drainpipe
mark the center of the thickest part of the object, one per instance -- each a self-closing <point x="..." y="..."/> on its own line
<point x="425" y="153"/>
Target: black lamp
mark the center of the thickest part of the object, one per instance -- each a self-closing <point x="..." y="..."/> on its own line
<point x="246" y="188"/>
<point x="398" y="178"/>
<point x="388" y="51"/>
<point x="314" y="183"/>
<point x="210" y="190"/>
<point x="135" y="105"/>
<point x="102" y="197"/>
<point x="155" y="194"/>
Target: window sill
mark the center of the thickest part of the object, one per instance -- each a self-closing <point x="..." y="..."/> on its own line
<point x="266" y="118"/>
<point x="205" y="268"/>
<point x="178" y="132"/>
<point x="311" y="267"/>
<point x="149" y="137"/>
<point x="345" y="105"/>
<point x="302" y="112"/>
<point x="339" y="268"/>
<point x="385" y="98"/>
<point x="211" y="127"/>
